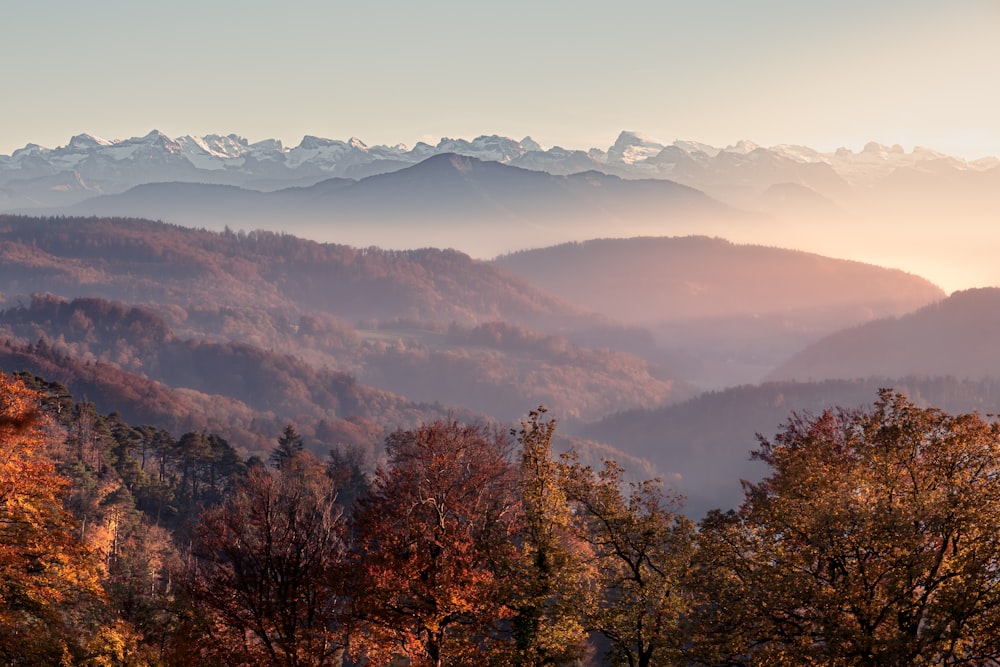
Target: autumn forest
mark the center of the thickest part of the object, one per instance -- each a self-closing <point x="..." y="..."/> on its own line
<point x="233" y="448"/>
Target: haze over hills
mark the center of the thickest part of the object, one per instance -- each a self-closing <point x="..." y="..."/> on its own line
<point x="434" y="325"/>
<point x="881" y="204"/>
<point x="445" y="201"/>
<point x="727" y="313"/>
<point x="590" y="329"/>
<point x="143" y="261"/>
<point x="404" y="329"/>
<point x="703" y="446"/>
<point x="954" y="337"/>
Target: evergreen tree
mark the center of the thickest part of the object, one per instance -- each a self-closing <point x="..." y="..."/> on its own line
<point x="289" y="444"/>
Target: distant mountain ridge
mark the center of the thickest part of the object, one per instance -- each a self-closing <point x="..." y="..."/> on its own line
<point x="448" y="201"/>
<point x="36" y="176"/>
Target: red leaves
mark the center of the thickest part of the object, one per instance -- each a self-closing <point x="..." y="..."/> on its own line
<point x="430" y="538"/>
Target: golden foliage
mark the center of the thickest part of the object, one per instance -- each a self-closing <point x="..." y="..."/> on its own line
<point x="47" y="576"/>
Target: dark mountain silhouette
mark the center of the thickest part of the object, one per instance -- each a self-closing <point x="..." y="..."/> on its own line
<point x="956" y="336"/>
<point x="445" y="201"/>
<point x="797" y="201"/>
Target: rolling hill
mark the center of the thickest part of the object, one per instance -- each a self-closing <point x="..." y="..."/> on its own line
<point x="955" y="337"/>
<point x="702" y="447"/>
<point x="733" y="312"/>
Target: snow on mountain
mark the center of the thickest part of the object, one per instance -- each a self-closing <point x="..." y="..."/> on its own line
<point x="632" y="147"/>
<point x="799" y="153"/>
<point x="742" y="147"/>
<point x="493" y="148"/>
<point x="691" y="147"/>
<point x="212" y="151"/>
<point x="111" y="166"/>
<point x="87" y="142"/>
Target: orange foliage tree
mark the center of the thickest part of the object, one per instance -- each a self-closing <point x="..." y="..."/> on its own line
<point x="873" y="542"/>
<point x="48" y="578"/>
<point x="432" y="538"/>
<point x="264" y="569"/>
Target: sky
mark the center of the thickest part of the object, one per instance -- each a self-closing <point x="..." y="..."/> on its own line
<point x="567" y="73"/>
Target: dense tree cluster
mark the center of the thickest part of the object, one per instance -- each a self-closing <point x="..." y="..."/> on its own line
<point x="278" y="359"/>
<point x="872" y="542"/>
<point x="143" y="261"/>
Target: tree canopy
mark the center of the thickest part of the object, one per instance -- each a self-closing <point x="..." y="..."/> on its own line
<point x="873" y="542"/>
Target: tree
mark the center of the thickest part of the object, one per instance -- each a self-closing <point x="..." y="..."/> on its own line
<point x="873" y="542"/>
<point x="641" y="550"/>
<point x="346" y="467"/>
<point x="430" y="539"/>
<point x="48" y="578"/>
<point x="265" y="564"/>
<point x="551" y="575"/>
<point x="289" y="444"/>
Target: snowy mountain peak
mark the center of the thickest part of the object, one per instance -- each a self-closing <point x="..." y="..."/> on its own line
<point x="529" y="144"/>
<point x="695" y="147"/>
<point x="155" y="136"/>
<point x="29" y="149"/>
<point x="742" y="147"/>
<point x="632" y="147"/>
<point x="268" y="145"/>
<point x="87" y="142"/>
<point x="309" y="142"/>
<point x="873" y="147"/>
<point x="631" y="138"/>
<point x="93" y="164"/>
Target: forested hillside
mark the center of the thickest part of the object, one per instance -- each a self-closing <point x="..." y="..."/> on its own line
<point x="139" y="261"/>
<point x="379" y="316"/>
<point x="702" y="446"/>
<point x="954" y="337"/>
<point x="724" y="313"/>
<point x="128" y="545"/>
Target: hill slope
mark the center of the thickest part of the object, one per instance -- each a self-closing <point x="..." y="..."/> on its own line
<point x="742" y="309"/>
<point x="139" y="261"/>
<point x="702" y="446"/>
<point x="956" y="336"/>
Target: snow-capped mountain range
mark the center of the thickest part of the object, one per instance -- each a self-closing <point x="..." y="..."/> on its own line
<point x="87" y="166"/>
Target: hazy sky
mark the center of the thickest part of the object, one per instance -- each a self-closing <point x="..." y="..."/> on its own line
<point x="568" y="73"/>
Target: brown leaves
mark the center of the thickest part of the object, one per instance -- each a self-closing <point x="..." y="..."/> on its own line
<point x="873" y="542"/>
<point x="431" y="537"/>
<point x="46" y="574"/>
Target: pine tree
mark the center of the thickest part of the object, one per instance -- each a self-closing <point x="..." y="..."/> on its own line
<point x="289" y="444"/>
